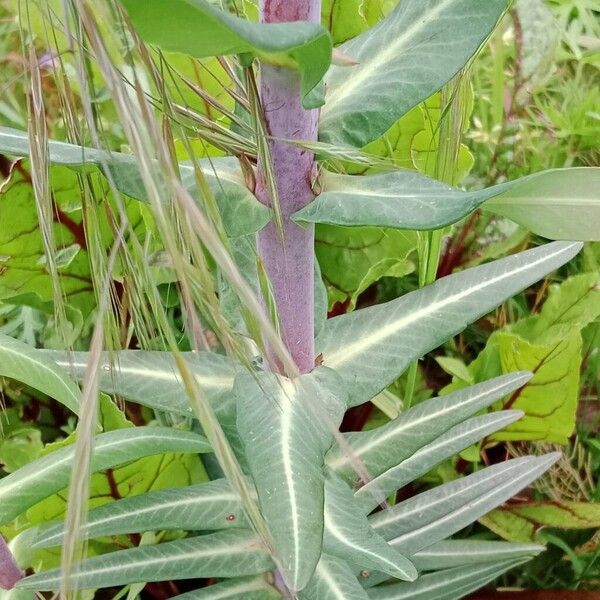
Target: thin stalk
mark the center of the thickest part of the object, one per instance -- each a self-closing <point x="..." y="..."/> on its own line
<point x="289" y="258"/>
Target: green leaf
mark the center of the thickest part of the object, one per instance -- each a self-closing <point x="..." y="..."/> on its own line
<point x="333" y="580"/>
<point x="449" y="584"/>
<point x="212" y="505"/>
<point x="557" y="204"/>
<point x="349" y="536"/>
<point x="384" y="447"/>
<point x="371" y="347"/>
<point x="33" y="367"/>
<point x="223" y="554"/>
<point x="521" y="522"/>
<point x="446" y="446"/>
<point x="151" y="378"/>
<point x="286" y="426"/>
<point x="346" y="19"/>
<point x="353" y="259"/>
<point x="51" y="473"/>
<point x="440" y="512"/>
<point x="240" y="588"/>
<point x="549" y="400"/>
<point x="242" y="213"/>
<point x="461" y="553"/>
<point x="196" y="28"/>
<point x="402" y="61"/>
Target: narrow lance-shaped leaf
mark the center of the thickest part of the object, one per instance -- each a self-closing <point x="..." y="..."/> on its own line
<point x="196" y="28"/>
<point x="333" y="580"/>
<point x="349" y="536"/>
<point x="32" y="367"/>
<point x="436" y="514"/>
<point x="400" y="62"/>
<point x="242" y="213"/>
<point x="557" y="204"/>
<point x="51" y="473"/>
<point x="224" y="554"/>
<point x="446" y="446"/>
<point x="238" y="588"/>
<point x="286" y="427"/>
<point x="384" y="447"/>
<point x="208" y="506"/>
<point x="152" y="378"/>
<point x="456" y="553"/>
<point x="449" y="584"/>
<point x="371" y="347"/>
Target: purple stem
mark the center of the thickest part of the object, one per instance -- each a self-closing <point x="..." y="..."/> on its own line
<point x="10" y="573"/>
<point x="289" y="264"/>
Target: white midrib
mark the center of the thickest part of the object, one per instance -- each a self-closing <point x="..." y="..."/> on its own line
<point x="52" y="464"/>
<point x="338" y="358"/>
<point x="390" y="516"/>
<point x="472" y="434"/>
<point x="380" y="439"/>
<point x="227" y="548"/>
<point x="330" y="580"/>
<point x="95" y="156"/>
<point x="177" y="503"/>
<point x="472" y="506"/>
<point x="203" y="380"/>
<point x="339" y="534"/>
<point x="287" y="398"/>
<point x="55" y="376"/>
<point x="356" y="79"/>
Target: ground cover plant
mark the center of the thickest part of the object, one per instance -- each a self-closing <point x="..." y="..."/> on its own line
<point x="179" y="366"/>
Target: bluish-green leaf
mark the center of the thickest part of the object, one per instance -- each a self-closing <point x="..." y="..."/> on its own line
<point x="286" y="426"/>
<point x="242" y="213"/>
<point x="384" y="447"/>
<point x="558" y="204"/>
<point x="152" y="378"/>
<point x="449" y="584"/>
<point x="440" y="512"/>
<point x="224" y="554"/>
<point x="33" y="367"/>
<point x="402" y="61"/>
<point x="371" y="347"/>
<point x="444" y="447"/>
<point x="333" y="580"/>
<point x="196" y="28"/>
<point x="51" y="473"/>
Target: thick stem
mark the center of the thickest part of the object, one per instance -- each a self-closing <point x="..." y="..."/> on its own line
<point x="10" y="573"/>
<point x="289" y="262"/>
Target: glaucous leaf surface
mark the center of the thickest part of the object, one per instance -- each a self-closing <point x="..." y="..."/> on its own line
<point x="440" y="512"/>
<point x="333" y="580"/>
<point x="238" y="588"/>
<point x="449" y="554"/>
<point x="371" y="347"/>
<point x="444" y="447"/>
<point x="402" y="61"/>
<point x="33" y="367"/>
<point x="560" y="204"/>
<point x="384" y="447"/>
<point x="286" y="427"/>
<point x="208" y="506"/>
<point x="151" y="378"/>
<point x="349" y="536"/>
<point x="224" y="554"/>
<point x="49" y="474"/>
<point x="196" y="28"/>
<point x="242" y="213"/>
<point x="449" y="584"/>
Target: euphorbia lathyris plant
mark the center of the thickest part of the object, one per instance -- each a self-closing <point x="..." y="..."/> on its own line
<point x="316" y="490"/>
